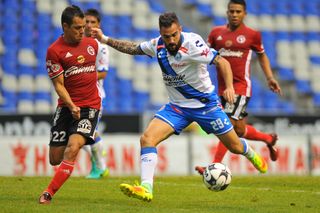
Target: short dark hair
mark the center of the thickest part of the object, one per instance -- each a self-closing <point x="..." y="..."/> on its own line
<point x="69" y="13"/>
<point x="167" y="19"/>
<point x="93" y="12"/>
<point x="242" y="2"/>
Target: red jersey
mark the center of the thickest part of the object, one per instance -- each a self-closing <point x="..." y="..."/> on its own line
<point x="236" y="47"/>
<point x="77" y="63"/>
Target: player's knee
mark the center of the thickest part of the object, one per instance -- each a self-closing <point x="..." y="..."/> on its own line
<point x="146" y="140"/>
<point x="55" y="162"/>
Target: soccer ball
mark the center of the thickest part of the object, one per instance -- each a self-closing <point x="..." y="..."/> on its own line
<point x="217" y="177"/>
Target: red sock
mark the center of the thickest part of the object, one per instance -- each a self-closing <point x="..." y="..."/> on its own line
<point x="63" y="173"/>
<point x="220" y="153"/>
<point x="254" y="134"/>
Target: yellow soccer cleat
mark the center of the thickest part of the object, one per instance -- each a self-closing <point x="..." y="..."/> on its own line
<point x="141" y="192"/>
<point x="259" y="163"/>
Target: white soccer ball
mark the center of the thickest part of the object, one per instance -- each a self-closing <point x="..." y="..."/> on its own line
<point x="217" y="177"/>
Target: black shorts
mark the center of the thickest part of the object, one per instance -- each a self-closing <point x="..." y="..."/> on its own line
<point x="237" y="110"/>
<point x="64" y="125"/>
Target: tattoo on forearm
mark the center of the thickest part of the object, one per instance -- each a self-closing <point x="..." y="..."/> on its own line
<point x="128" y="47"/>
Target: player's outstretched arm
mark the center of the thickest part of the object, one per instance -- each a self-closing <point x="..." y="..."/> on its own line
<point x="226" y="73"/>
<point x="266" y="67"/>
<point x="124" y="46"/>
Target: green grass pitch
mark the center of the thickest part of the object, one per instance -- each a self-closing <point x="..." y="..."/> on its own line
<point x="171" y="194"/>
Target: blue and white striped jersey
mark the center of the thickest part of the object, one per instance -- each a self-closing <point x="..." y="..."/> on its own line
<point x="185" y="74"/>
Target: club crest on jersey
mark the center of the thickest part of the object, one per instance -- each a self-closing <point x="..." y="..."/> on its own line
<point x="84" y="126"/>
<point x="81" y="59"/>
<point x="55" y="67"/>
<point x="205" y="52"/>
<point x="90" y="50"/>
<point x="241" y="39"/>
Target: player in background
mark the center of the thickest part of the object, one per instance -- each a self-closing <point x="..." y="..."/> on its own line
<point x="235" y="42"/>
<point x="71" y="65"/>
<point x="183" y="59"/>
<point x="98" y="163"/>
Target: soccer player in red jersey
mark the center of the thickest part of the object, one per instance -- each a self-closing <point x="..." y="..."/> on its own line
<point x="236" y="42"/>
<point x="71" y="65"/>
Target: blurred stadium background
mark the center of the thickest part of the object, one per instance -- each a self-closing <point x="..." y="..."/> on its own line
<point x="291" y="35"/>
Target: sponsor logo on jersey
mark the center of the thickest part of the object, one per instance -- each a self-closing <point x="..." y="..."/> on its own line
<point x="228" y="43"/>
<point x="77" y="70"/>
<point x="68" y="55"/>
<point x="178" y="65"/>
<point x="84" y="126"/>
<point x="229" y="53"/>
<point x="81" y="59"/>
<point x="92" y="113"/>
<point x="90" y="50"/>
<point x="174" y="81"/>
<point x="219" y="38"/>
<point x="241" y="39"/>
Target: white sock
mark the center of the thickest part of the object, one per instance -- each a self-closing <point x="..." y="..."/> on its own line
<point x="149" y="160"/>
<point x="97" y="153"/>
<point x="87" y="148"/>
<point x="248" y="151"/>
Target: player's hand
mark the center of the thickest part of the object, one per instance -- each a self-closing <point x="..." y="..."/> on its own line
<point x="96" y="33"/>
<point x="274" y="86"/>
<point x="229" y="95"/>
<point x="75" y="111"/>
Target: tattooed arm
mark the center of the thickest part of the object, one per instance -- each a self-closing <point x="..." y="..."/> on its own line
<point x="128" y="47"/>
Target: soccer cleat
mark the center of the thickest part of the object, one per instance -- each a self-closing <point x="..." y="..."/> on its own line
<point x="259" y="163"/>
<point x="141" y="192"/>
<point x="272" y="150"/>
<point x="98" y="173"/>
<point x="105" y="173"/>
<point x="95" y="172"/>
<point x="45" y="198"/>
<point x="200" y="169"/>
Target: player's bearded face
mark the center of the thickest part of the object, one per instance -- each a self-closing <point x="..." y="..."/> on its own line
<point x="171" y="37"/>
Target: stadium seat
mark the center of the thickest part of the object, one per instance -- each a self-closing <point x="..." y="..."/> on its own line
<point x="303" y="87"/>
<point x="9" y="104"/>
<point x="316" y="99"/>
<point x="141" y="101"/>
<point x="293" y="27"/>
